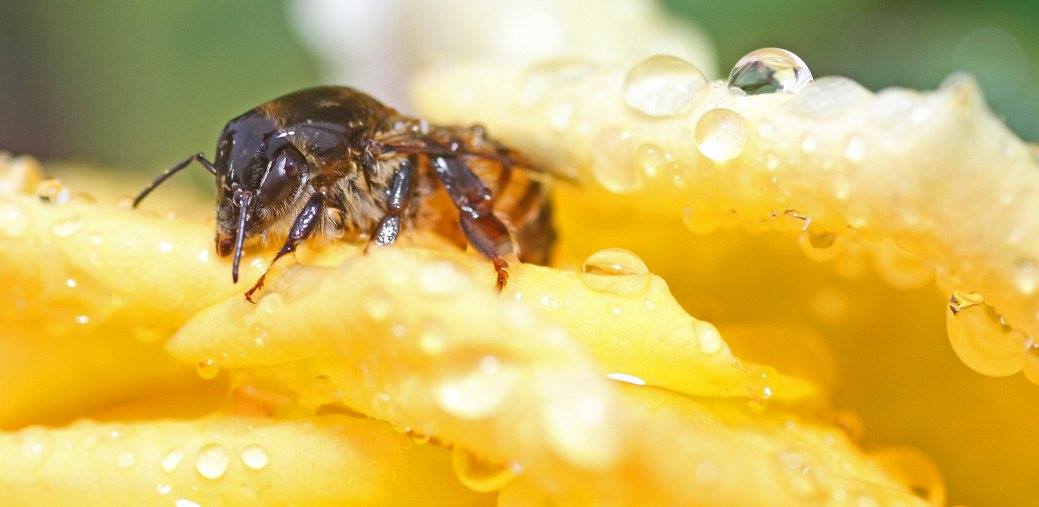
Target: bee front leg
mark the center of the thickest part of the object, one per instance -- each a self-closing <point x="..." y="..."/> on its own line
<point x="302" y="227"/>
<point x="475" y="203"/>
<point x="399" y="197"/>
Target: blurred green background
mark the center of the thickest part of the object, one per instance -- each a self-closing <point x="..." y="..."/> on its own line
<point x="141" y="84"/>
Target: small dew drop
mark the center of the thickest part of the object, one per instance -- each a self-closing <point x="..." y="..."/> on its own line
<point x="165" y="247"/>
<point x="613" y="161"/>
<point x="67" y="227"/>
<point x="254" y="456"/>
<point x="477" y="393"/>
<point x="184" y="502"/>
<point x="481" y="475"/>
<point x="419" y="438"/>
<point x="616" y="271"/>
<point x="980" y="337"/>
<point x="12" y="221"/>
<point x="82" y="319"/>
<point x="616" y="310"/>
<point x="211" y="461"/>
<point x="707" y="336"/>
<point x="662" y="85"/>
<point x="770" y="70"/>
<point x="721" y="134"/>
<point x="270" y="303"/>
<point x="1027" y="277"/>
<point x="1030" y="368"/>
<point x="71" y="283"/>
<point x="126" y="459"/>
<point x="441" y="279"/>
<point x="52" y="191"/>
<point x="202" y="256"/>
<point x="377" y="305"/>
<point x="172" y="460"/>
<point x="163" y="489"/>
<point x="207" y="369"/>
<point x="855" y="149"/>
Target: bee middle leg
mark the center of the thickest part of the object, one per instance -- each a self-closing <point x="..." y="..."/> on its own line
<point x="302" y="227"/>
<point x="475" y="203"/>
<point x="398" y="199"/>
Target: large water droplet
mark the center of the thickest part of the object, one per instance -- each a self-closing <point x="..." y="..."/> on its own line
<point x="255" y="457"/>
<point x="616" y="271"/>
<point x="481" y="475"/>
<point x="478" y="393"/>
<point x="211" y="461"/>
<point x="172" y="460"/>
<point x="721" y="134"/>
<point x="770" y="70"/>
<point x="980" y="338"/>
<point x="915" y="470"/>
<point x="662" y="85"/>
<point x="612" y="161"/>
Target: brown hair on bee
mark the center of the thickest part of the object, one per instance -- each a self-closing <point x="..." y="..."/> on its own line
<point x="334" y="162"/>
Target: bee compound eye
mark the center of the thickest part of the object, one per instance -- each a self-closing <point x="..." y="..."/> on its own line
<point x="284" y="173"/>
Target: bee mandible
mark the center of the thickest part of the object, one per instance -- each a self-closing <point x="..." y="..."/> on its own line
<point x="333" y="162"/>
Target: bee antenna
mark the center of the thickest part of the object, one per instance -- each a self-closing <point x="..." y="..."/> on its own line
<point x="170" y="172"/>
<point x="243" y="199"/>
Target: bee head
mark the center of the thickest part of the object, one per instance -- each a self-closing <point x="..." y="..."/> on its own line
<point x="261" y="177"/>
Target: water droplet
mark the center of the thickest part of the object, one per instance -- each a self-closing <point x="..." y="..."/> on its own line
<point x="324" y="390"/>
<point x="165" y="247"/>
<point x="770" y="70"/>
<point x="616" y="271"/>
<point x="980" y="337"/>
<point x="382" y="405"/>
<point x="819" y="244"/>
<point x="126" y="459"/>
<point x="708" y="337"/>
<point x="1027" y="277"/>
<point x="481" y="475"/>
<point x="211" y="461"/>
<point x="441" y="279"/>
<point x="651" y="157"/>
<point x="662" y="85"/>
<point x="1030" y="368"/>
<point x="915" y="470"/>
<point x="574" y="424"/>
<point x="66" y="227"/>
<point x="761" y="380"/>
<point x="270" y="303"/>
<point x="828" y="98"/>
<point x="797" y="473"/>
<point x="628" y="379"/>
<point x="377" y="305"/>
<point x="616" y="310"/>
<point x="255" y="457"/>
<point x="82" y="319"/>
<point x="163" y="489"/>
<point x="12" y="221"/>
<point x="184" y="502"/>
<point x="477" y="393"/>
<point x="207" y="369"/>
<point x="33" y="446"/>
<point x="71" y="283"/>
<point x="419" y="438"/>
<point x="612" y="164"/>
<point x="810" y="143"/>
<point x="53" y="191"/>
<point x="855" y="150"/>
<point x="721" y="134"/>
<point x="172" y="460"/>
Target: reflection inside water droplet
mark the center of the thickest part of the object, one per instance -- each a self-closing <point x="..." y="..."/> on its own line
<point x="770" y="70"/>
<point x="211" y="461"/>
<point x="980" y="337"/>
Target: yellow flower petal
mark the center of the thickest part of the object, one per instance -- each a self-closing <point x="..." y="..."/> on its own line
<point x="226" y="461"/>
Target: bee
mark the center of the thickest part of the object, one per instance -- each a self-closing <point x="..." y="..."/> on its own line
<point x="332" y="162"/>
